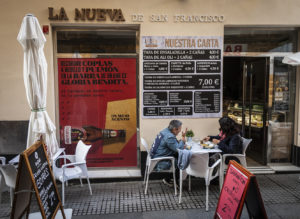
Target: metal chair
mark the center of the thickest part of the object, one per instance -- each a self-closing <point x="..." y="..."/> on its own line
<point x="74" y="170"/>
<point x="151" y="163"/>
<point x="199" y="167"/>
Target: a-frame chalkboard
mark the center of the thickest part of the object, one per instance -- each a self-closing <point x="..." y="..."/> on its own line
<point x="240" y="186"/>
<point x="34" y="172"/>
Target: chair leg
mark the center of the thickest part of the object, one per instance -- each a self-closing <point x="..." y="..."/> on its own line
<point x="221" y="176"/>
<point x="11" y="196"/>
<point x="207" y="191"/>
<point x="80" y="181"/>
<point x="174" y="178"/>
<point x="1" y="178"/>
<point x="88" y="180"/>
<point x="145" y="175"/>
<point x="63" y="193"/>
<point x="243" y="162"/>
<point x="190" y="187"/>
<point x="180" y="186"/>
<point x="147" y="180"/>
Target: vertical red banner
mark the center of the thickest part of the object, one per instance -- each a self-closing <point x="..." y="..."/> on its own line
<point x="97" y="104"/>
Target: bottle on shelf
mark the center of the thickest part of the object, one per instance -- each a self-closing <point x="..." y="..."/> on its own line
<point x="90" y="134"/>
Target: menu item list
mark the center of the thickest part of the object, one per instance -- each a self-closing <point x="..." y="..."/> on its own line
<point x="182" y="76"/>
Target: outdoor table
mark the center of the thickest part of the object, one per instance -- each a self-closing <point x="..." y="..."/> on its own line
<point x="16" y="159"/>
<point x="197" y="148"/>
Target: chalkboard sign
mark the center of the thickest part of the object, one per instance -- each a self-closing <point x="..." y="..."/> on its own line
<point x="182" y="76"/>
<point x="35" y="172"/>
<point x="240" y="186"/>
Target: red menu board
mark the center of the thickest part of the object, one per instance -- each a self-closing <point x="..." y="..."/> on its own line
<point x="97" y="104"/>
<point x="240" y="186"/>
<point x="232" y="192"/>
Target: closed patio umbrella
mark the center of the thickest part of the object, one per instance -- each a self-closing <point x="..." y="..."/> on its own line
<point x="293" y="59"/>
<point x="32" y="40"/>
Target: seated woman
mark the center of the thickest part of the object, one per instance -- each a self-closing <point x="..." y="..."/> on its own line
<point x="229" y="140"/>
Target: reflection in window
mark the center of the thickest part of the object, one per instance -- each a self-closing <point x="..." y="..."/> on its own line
<point x="246" y="39"/>
<point x="96" y="41"/>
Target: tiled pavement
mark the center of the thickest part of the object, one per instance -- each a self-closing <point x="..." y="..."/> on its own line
<point x="127" y="200"/>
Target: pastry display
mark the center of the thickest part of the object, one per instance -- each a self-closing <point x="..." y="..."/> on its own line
<point x="235" y="112"/>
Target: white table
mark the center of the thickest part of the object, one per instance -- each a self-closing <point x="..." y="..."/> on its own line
<point x="197" y="148"/>
<point x="16" y="159"/>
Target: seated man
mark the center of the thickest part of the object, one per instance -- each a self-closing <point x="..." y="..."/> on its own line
<point x="165" y="145"/>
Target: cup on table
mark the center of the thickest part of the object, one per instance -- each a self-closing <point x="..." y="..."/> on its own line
<point x="197" y="140"/>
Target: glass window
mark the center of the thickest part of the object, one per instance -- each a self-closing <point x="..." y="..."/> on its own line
<point x="246" y="39"/>
<point x="96" y="41"/>
<point x="281" y="121"/>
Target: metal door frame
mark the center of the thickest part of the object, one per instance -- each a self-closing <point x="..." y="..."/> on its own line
<point x="271" y="56"/>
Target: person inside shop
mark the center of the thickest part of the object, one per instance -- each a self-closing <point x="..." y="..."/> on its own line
<point x="166" y="144"/>
<point x="229" y="140"/>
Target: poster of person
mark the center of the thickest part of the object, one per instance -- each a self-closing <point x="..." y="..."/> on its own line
<point x="97" y="104"/>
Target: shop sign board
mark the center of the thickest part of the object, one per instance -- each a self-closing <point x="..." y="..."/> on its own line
<point x="240" y="186"/>
<point x="182" y="76"/>
<point x="97" y="104"/>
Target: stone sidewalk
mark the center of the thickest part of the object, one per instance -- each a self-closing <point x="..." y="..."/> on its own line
<point x="280" y="192"/>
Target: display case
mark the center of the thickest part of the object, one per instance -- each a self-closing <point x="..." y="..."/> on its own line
<point x="234" y="111"/>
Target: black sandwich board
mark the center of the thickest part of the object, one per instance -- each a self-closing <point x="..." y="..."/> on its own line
<point x="35" y="176"/>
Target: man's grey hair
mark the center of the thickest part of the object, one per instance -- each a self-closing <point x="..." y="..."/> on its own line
<point x="174" y="124"/>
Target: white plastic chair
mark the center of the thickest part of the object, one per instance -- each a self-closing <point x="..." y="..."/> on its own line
<point x="76" y="169"/>
<point x="8" y="176"/>
<point x="240" y="157"/>
<point x="151" y="163"/>
<point x="198" y="167"/>
<point x="2" y="183"/>
<point x="2" y="160"/>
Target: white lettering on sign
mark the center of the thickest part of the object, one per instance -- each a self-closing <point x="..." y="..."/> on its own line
<point x="42" y="178"/>
<point x="137" y="18"/>
<point x="158" y="18"/>
<point x="181" y="18"/>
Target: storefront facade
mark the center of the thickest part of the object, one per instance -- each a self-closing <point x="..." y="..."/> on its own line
<point x="134" y="66"/>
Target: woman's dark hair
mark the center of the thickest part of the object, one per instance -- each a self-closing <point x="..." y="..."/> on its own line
<point x="228" y="126"/>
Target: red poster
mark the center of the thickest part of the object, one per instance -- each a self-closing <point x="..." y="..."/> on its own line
<point x="97" y="104"/>
<point x="232" y="192"/>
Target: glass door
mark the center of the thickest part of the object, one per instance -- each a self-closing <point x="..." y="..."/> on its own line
<point x="245" y="100"/>
<point x="282" y="83"/>
<point x="255" y="99"/>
